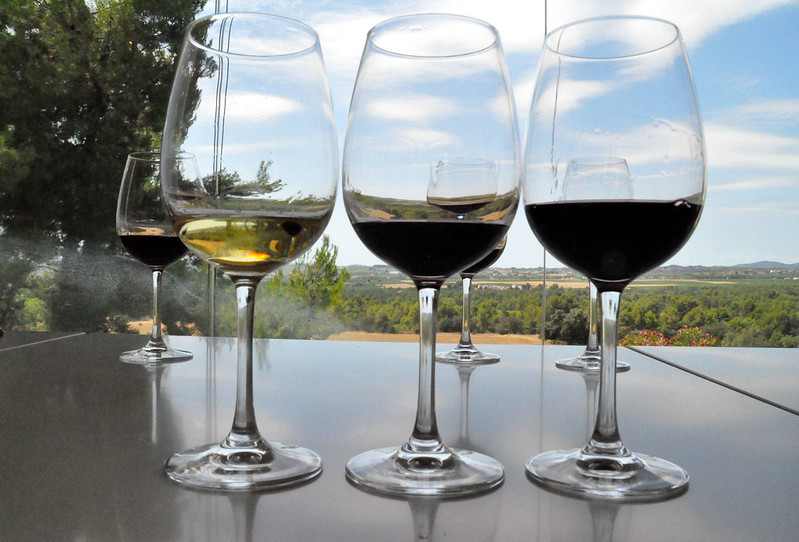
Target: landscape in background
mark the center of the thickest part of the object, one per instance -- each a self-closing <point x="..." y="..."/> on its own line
<point x="752" y="305"/>
<point x="755" y="304"/>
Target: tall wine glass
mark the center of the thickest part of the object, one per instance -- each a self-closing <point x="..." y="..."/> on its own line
<point x="616" y="87"/>
<point x="251" y="100"/>
<point x="431" y="183"/>
<point x="466" y="352"/>
<point x="147" y="234"/>
<point x="608" y="177"/>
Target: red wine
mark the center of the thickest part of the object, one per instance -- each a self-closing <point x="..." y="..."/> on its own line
<point x="613" y="242"/>
<point x="153" y="250"/>
<point x="429" y="252"/>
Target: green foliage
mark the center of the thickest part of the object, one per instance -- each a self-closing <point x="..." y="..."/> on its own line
<point x="735" y="314"/>
<point x="82" y="84"/>
<point x="82" y="87"/>
<point x="302" y="307"/>
<point x="318" y="280"/>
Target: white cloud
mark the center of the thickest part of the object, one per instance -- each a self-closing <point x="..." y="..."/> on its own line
<point x="429" y="138"/>
<point x="578" y="93"/>
<point x="785" y="112"/>
<point x="732" y="147"/>
<point x="759" y="182"/>
<point x="412" y="108"/>
<point x="249" y="106"/>
<point x="697" y="19"/>
<point x="769" y="209"/>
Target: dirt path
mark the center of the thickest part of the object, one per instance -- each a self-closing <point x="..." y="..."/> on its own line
<point x="144" y="327"/>
<point x="441" y="338"/>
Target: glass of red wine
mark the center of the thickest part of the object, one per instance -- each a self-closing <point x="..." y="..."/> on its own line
<point x="147" y="234"/>
<point x="466" y="352"/>
<point x="251" y="101"/>
<point x="613" y="88"/>
<point x="431" y="184"/>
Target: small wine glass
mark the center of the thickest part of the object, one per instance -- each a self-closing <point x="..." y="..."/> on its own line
<point x="596" y="176"/>
<point x="589" y="360"/>
<point x="146" y="232"/>
<point x="466" y="352"/>
<point x="615" y="87"/>
<point x="251" y="100"/>
<point x="431" y="185"/>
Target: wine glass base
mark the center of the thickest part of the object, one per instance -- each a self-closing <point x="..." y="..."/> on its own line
<point x="458" y="474"/>
<point x="155" y="355"/>
<point x="644" y="478"/>
<point x="467" y="355"/>
<point x="216" y="467"/>
<point x="587" y="364"/>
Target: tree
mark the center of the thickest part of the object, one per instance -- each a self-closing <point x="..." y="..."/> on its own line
<point x="88" y="86"/>
<point x="319" y="281"/>
<point x="298" y="307"/>
<point x="83" y="83"/>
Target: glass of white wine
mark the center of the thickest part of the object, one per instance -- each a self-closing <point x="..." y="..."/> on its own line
<point x="251" y="100"/>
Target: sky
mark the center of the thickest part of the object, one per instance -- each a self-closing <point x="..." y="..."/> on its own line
<point x="744" y="55"/>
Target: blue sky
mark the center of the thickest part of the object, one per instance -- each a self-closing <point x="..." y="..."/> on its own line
<point x="745" y="59"/>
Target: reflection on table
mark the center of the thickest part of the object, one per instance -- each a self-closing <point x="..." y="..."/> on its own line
<point x="85" y="438"/>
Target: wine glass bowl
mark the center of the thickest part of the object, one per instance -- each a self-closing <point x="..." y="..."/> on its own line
<point x="613" y="90"/>
<point x="251" y="100"/>
<point x="144" y="229"/>
<point x="431" y="184"/>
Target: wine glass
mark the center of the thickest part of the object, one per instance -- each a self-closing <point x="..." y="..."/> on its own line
<point x="597" y="176"/>
<point x="251" y="100"/>
<point x="147" y="234"/>
<point x="588" y="361"/>
<point x="465" y="351"/>
<point x="620" y="88"/>
<point x="431" y="184"/>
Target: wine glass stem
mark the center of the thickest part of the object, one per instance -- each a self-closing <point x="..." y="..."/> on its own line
<point x="466" y="333"/>
<point x="605" y="439"/>
<point x="244" y="426"/>
<point x="155" y="335"/>
<point x="593" y="339"/>
<point x="425" y="436"/>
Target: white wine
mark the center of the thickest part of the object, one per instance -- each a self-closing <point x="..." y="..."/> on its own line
<point x="250" y="246"/>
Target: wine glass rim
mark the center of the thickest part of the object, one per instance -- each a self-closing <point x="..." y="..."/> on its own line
<point x="151" y="156"/>
<point x="155" y="155"/>
<point x="615" y="18"/>
<point x="494" y="42"/>
<point x="299" y="25"/>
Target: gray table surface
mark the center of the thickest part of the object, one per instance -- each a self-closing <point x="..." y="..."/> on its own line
<point x="84" y="438"/>
<point x="770" y="374"/>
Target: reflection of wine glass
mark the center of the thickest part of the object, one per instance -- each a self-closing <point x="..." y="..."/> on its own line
<point x="431" y="158"/>
<point x="614" y="87"/>
<point x="465" y="351"/>
<point x="251" y="100"/>
<point x="146" y="232"/>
